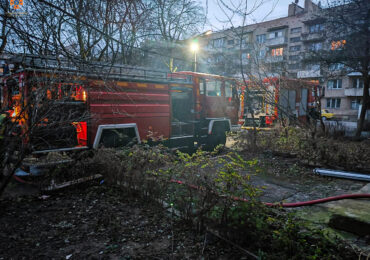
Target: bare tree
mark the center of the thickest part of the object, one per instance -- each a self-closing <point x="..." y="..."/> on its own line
<point x="4" y="23"/>
<point x="347" y="44"/>
<point x="173" y="21"/>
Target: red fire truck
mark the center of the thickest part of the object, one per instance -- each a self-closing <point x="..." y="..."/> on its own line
<point x="63" y="105"/>
<point x="261" y="103"/>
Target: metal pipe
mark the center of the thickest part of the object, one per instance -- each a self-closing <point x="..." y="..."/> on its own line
<point x="342" y="174"/>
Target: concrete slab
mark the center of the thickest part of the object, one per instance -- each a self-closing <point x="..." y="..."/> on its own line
<point x="358" y="209"/>
<point x="351" y="216"/>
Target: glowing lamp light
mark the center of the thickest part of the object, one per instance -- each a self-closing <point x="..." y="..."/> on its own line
<point x="194" y="47"/>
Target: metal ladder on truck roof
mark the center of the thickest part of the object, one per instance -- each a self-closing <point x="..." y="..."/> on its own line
<point x="102" y="70"/>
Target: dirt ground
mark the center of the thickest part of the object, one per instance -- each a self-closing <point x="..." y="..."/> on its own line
<point x="99" y="222"/>
<point x="103" y="222"/>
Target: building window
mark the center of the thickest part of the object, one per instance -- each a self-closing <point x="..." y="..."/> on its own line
<point x="355" y="103"/>
<point x="337" y="45"/>
<point x="245" y="43"/>
<point x="295" y="39"/>
<point x="218" y="43"/>
<point x="294" y="66"/>
<point x="245" y="56"/>
<point x="277" y="52"/>
<point x="295" y="48"/>
<point x="230" y="42"/>
<point x="313" y="67"/>
<point x="296" y="30"/>
<point x="358" y="83"/>
<point x="294" y="57"/>
<point x="262" y="53"/>
<point x="276" y="34"/>
<point x="333" y="103"/>
<point x="219" y="58"/>
<point x="336" y="66"/>
<point x="315" y="46"/>
<point x="334" y="84"/>
<point x="247" y="37"/>
<point x="261" y="38"/>
<point x="315" y="28"/>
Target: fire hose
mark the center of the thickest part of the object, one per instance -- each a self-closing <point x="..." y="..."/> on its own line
<point x="290" y="205"/>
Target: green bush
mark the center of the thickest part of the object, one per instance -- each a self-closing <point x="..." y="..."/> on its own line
<point x="204" y="189"/>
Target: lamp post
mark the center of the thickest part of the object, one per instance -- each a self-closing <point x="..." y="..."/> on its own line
<point x="194" y="48"/>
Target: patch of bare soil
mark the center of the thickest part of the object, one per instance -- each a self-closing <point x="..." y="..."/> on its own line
<point x="98" y="222"/>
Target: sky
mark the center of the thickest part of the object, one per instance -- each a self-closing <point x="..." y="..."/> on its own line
<point x="266" y="10"/>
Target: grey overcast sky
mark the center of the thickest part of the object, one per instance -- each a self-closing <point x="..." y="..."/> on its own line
<point x="267" y="10"/>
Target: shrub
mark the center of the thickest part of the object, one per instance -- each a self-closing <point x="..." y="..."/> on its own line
<point x="207" y="191"/>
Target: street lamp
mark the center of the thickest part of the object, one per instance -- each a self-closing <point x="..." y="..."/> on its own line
<point x="194" y="48"/>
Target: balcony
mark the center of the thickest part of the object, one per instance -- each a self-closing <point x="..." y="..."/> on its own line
<point x="354" y="92"/>
<point x="276" y="41"/>
<point x="246" y="45"/>
<point x="273" y="59"/>
<point x="211" y="49"/>
<point x="308" y="74"/>
<point x="306" y="37"/>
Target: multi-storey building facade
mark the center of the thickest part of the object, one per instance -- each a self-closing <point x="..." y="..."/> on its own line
<point x="282" y="47"/>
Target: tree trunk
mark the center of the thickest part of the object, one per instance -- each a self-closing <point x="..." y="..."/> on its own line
<point x="365" y="105"/>
<point x="4" y="34"/>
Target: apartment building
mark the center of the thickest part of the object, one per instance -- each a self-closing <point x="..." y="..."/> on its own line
<point x="281" y="47"/>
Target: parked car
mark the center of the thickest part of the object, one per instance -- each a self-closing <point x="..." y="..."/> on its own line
<point x="325" y="114"/>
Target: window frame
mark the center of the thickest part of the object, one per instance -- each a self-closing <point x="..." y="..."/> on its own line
<point x="316" y="46"/>
<point x="277" y="52"/>
<point x="261" y="38"/>
<point x="231" y="42"/>
<point x="334" y="84"/>
<point x="276" y="34"/>
<point x="316" y="28"/>
<point x="217" y="87"/>
<point x="294" y="57"/>
<point x="358" y="83"/>
<point x="296" y="30"/>
<point x="228" y="85"/>
<point x="219" y="42"/>
<point x="295" y="39"/>
<point x="357" y="102"/>
<point x="295" y="48"/>
<point x="333" y="103"/>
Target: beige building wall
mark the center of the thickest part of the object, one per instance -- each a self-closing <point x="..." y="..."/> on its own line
<point x="295" y="35"/>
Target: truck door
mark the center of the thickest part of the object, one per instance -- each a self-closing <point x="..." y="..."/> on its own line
<point x="182" y="111"/>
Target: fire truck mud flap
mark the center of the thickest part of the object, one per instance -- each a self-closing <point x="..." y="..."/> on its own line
<point x="116" y="135"/>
